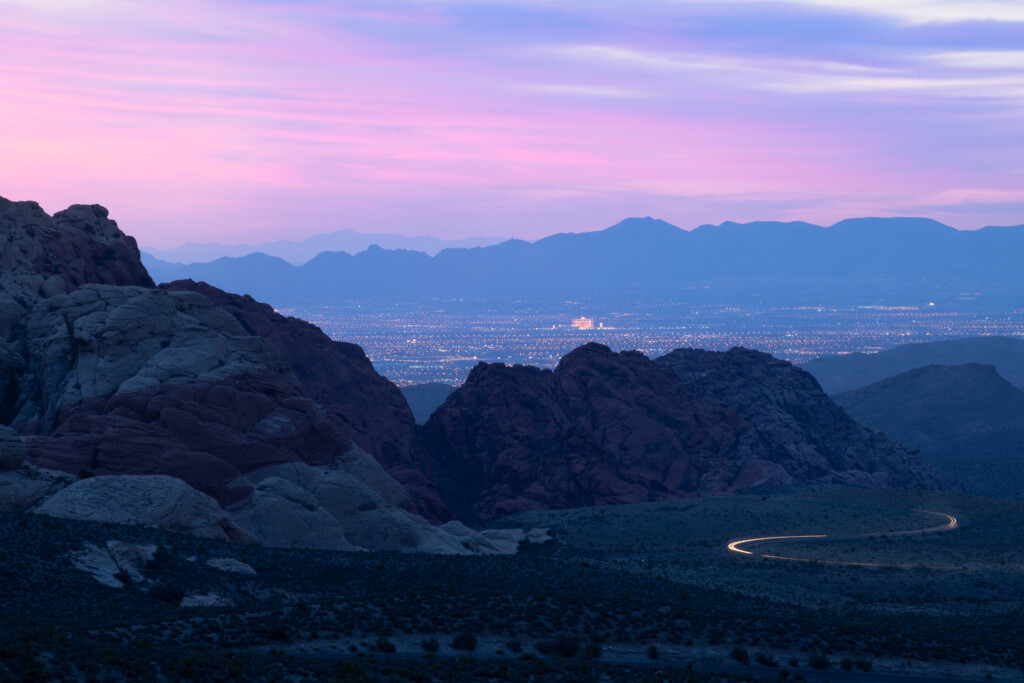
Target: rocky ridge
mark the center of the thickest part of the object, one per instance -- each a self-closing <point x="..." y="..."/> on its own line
<point x="608" y="427"/>
<point x="798" y="427"/>
<point x="102" y="376"/>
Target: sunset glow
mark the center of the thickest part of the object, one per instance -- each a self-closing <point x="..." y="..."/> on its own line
<point x="243" y="122"/>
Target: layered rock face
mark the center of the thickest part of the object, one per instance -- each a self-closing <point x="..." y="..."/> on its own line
<point x="799" y="428"/>
<point x="203" y="401"/>
<point x="370" y="411"/>
<point x="608" y="427"/>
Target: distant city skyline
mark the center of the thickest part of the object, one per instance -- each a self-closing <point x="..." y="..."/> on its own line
<point x="247" y="122"/>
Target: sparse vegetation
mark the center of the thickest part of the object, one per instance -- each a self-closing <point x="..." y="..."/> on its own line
<point x="305" y="609"/>
<point x="465" y="641"/>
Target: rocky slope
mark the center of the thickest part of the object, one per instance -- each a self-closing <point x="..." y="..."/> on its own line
<point x="370" y="411"/>
<point x="798" y="427"/>
<point x="608" y="427"/>
<point x="103" y="375"/>
<point x="966" y="419"/>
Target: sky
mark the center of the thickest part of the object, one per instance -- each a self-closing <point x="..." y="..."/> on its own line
<point x="246" y="121"/>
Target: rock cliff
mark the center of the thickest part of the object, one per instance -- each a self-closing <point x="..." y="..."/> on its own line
<point x="608" y="427"/>
<point x="266" y="427"/>
<point x="370" y="411"/>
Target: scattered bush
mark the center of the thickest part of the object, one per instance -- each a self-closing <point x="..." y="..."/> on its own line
<point x="863" y="664"/>
<point x="384" y="645"/>
<point x="846" y="663"/>
<point x="277" y="631"/>
<point x="464" y="641"/>
<point x="514" y="645"/>
<point x="566" y="645"/>
<point x="766" y="659"/>
<point x="592" y="650"/>
<point x="740" y="655"/>
<point x="819" y="660"/>
<point x="652" y="651"/>
<point x="430" y="644"/>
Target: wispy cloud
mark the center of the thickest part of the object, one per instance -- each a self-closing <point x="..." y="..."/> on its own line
<point x="471" y="116"/>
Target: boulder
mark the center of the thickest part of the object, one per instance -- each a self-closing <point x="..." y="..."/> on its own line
<point x="228" y="564"/>
<point x="19" y="490"/>
<point x="149" y="500"/>
<point x="117" y="559"/>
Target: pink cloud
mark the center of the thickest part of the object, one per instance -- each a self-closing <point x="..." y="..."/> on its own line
<point x="201" y="120"/>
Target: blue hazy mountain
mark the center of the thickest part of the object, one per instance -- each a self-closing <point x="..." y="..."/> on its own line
<point x="845" y="372"/>
<point x="298" y="252"/>
<point x="864" y="260"/>
<point x="966" y="420"/>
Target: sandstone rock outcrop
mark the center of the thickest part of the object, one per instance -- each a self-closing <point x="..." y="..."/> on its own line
<point x="799" y="428"/>
<point x="103" y="374"/>
<point x="150" y="500"/>
<point x="608" y="427"/>
<point x="12" y="449"/>
<point x="299" y="506"/>
<point x="371" y="411"/>
<point x="114" y="561"/>
<point x="229" y="564"/>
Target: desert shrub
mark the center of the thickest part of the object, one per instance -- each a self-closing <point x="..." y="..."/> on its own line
<point x="863" y="664"/>
<point x="168" y="592"/>
<point x="566" y="645"/>
<point x="592" y="650"/>
<point x="430" y="644"/>
<point x="464" y="641"/>
<point x="514" y="645"/>
<point x="277" y="631"/>
<point x="741" y="655"/>
<point x="819" y="660"/>
<point x="384" y="645"/>
<point x="846" y="663"/>
<point x="765" y="659"/>
<point x="652" y="651"/>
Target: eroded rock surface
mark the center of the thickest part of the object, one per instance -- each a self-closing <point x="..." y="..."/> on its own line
<point x="299" y="506"/>
<point x="608" y="427"/>
<point x="799" y="428"/>
<point x="169" y="401"/>
<point x="371" y="411"/>
<point x="149" y="500"/>
<point x="113" y="563"/>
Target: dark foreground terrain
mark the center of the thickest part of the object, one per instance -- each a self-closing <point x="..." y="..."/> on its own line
<point x="628" y="592"/>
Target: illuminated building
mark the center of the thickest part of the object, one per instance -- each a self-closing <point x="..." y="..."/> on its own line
<point x="583" y="323"/>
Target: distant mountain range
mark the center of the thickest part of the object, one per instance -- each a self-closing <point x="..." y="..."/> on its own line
<point x="863" y="261"/>
<point x="298" y="252"/>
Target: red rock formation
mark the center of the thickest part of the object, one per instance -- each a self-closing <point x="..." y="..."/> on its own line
<point x="609" y="427"/>
<point x="370" y="410"/>
<point x="336" y="375"/>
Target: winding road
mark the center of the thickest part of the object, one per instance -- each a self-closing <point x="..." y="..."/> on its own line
<point x="950" y="522"/>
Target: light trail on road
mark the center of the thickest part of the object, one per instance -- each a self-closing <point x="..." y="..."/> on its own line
<point x="950" y="523"/>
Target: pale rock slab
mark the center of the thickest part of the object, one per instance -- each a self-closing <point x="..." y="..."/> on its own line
<point x="148" y="500"/>
<point x="228" y="564"/>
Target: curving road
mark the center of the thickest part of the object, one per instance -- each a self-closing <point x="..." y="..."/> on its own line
<point x="950" y="522"/>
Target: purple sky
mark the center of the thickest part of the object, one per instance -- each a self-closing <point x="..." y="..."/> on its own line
<point x="247" y="121"/>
